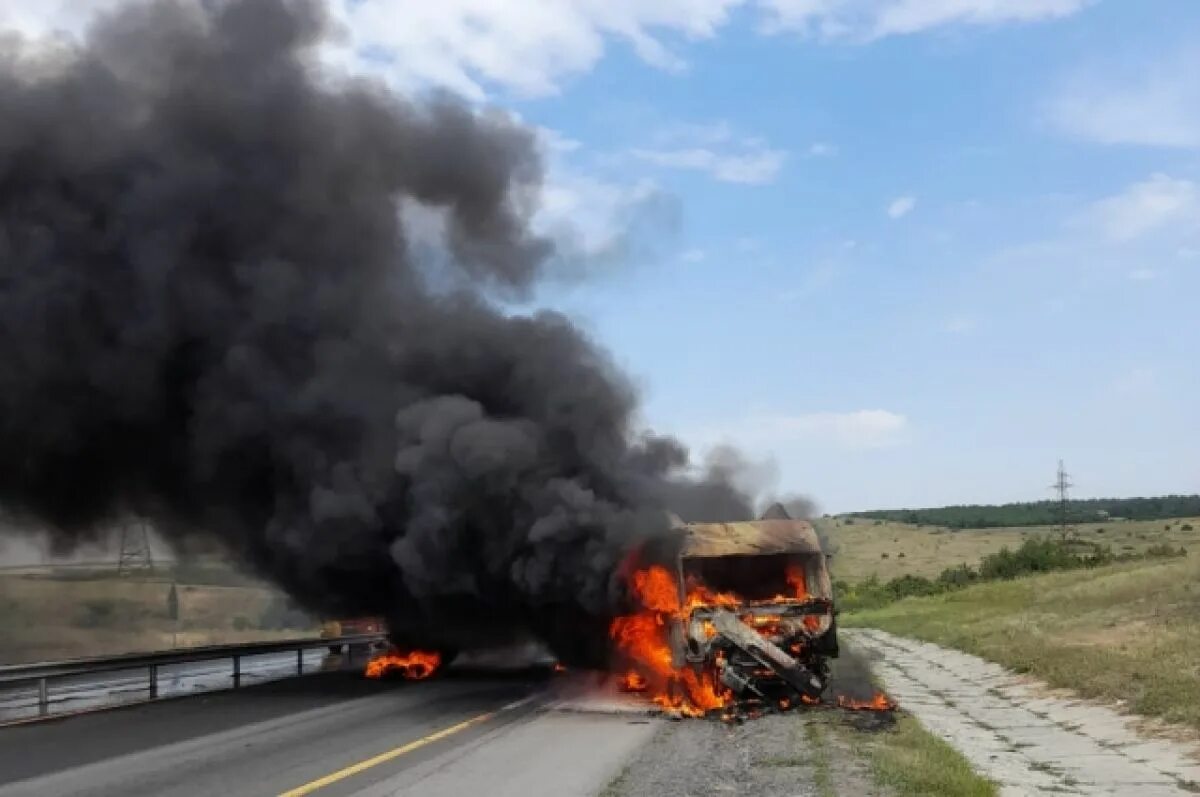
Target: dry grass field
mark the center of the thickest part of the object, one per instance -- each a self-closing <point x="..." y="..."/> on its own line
<point x="47" y="615"/>
<point x="887" y="549"/>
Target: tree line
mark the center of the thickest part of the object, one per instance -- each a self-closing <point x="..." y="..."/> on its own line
<point x="1043" y="513"/>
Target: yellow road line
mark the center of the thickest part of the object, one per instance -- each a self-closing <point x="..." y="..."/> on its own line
<point x="354" y="769"/>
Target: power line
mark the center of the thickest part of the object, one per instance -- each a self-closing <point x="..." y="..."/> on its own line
<point x="135" y="548"/>
<point x="1062" y="486"/>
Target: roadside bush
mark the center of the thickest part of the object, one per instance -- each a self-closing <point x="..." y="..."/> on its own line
<point x="908" y="586"/>
<point x="1163" y="551"/>
<point x="959" y="576"/>
<point x="1034" y="555"/>
<point x="100" y="613"/>
<point x="1186" y="527"/>
<point x="872" y="594"/>
<point x="867" y="594"/>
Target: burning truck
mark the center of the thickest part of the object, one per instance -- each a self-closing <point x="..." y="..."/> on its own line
<point x="732" y="618"/>
<point x="741" y="617"/>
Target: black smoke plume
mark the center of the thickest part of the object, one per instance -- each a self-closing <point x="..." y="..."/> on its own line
<point x="210" y="316"/>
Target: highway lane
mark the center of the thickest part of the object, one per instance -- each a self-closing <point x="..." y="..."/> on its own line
<point x="328" y="734"/>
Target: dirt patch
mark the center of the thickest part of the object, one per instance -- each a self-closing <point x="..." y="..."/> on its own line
<point x="785" y="755"/>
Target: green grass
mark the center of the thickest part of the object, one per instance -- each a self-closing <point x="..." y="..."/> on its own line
<point x="1121" y="633"/>
<point x="911" y="762"/>
<point x="888" y="549"/>
<point x="816" y="742"/>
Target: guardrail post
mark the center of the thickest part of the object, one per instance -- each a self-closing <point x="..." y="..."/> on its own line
<point x="41" y="674"/>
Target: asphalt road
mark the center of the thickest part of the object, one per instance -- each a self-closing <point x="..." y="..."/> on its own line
<point x="330" y="734"/>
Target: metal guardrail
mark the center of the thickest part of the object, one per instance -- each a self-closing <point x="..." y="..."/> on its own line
<point x="44" y="672"/>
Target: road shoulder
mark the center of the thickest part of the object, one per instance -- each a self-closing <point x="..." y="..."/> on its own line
<point x="1013" y="733"/>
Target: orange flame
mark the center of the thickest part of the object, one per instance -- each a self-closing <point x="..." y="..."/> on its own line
<point x="699" y="595"/>
<point x="414" y="665"/>
<point x="643" y="639"/>
<point x="633" y="681"/>
<point x="693" y="694"/>
<point x="657" y="590"/>
<point x="766" y="624"/>
<point x="880" y="702"/>
<point x="798" y="581"/>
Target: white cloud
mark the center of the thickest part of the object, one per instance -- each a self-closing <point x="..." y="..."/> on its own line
<point x="528" y="48"/>
<point x="44" y="17"/>
<point x="820" y="149"/>
<point x="693" y="256"/>
<point x="1142" y="274"/>
<point x="960" y="324"/>
<point x="770" y="433"/>
<point x="1147" y="206"/>
<point x="854" y="430"/>
<point x="901" y="206"/>
<point x="468" y="46"/>
<point x="593" y="216"/>
<point x="593" y="219"/>
<point x="694" y="134"/>
<point x="1151" y="104"/>
<point x="524" y="47"/>
<point x="755" y="165"/>
<point x="553" y="141"/>
<point x="1136" y="381"/>
<point x="716" y="149"/>
<point x="867" y="20"/>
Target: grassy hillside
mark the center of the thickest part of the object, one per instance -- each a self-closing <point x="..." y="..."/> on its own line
<point x="1123" y="633"/>
<point x="865" y="547"/>
<point x="46" y="615"/>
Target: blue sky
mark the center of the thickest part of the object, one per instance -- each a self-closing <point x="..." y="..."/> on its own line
<point x="1038" y="300"/>
<point x="911" y="252"/>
